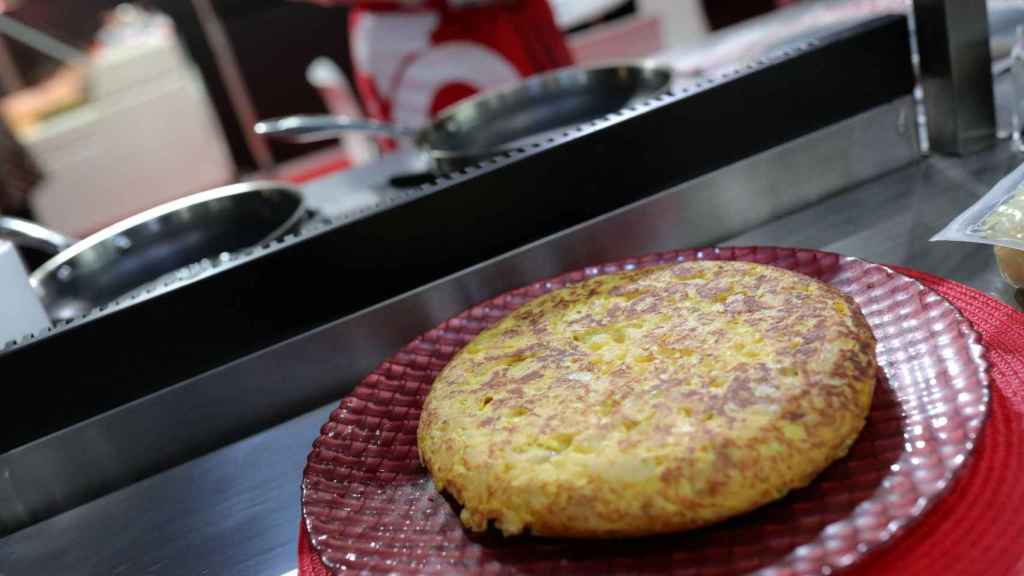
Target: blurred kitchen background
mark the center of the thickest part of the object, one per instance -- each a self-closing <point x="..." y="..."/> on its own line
<point x="122" y="106"/>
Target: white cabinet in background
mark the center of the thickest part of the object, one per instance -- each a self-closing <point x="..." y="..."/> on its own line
<point x="147" y="135"/>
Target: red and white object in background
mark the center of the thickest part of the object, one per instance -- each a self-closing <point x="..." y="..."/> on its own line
<point x="340" y="100"/>
<point x="412" y="59"/>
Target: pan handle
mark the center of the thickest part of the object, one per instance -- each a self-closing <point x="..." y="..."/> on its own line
<point x="316" y="127"/>
<point x="26" y="233"/>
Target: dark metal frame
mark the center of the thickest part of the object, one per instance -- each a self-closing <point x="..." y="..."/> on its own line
<point x="956" y="74"/>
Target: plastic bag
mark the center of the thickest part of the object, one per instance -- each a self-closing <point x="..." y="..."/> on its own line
<point x="997" y="218"/>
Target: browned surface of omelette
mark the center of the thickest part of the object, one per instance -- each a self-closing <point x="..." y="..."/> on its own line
<point x="650" y="401"/>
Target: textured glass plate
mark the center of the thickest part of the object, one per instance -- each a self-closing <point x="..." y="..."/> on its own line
<point x="369" y="505"/>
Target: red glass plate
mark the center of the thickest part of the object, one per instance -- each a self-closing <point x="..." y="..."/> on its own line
<point x="369" y="505"/>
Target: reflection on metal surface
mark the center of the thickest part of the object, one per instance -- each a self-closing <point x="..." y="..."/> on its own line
<point x="27" y="233"/>
<point x="956" y="71"/>
<point x="892" y="218"/>
<point x="234" y="400"/>
<point x="235" y="511"/>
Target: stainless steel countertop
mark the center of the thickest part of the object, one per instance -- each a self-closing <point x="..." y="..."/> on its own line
<point x="890" y="220"/>
<point x="236" y="510"/>
<point x="233" y="511"/>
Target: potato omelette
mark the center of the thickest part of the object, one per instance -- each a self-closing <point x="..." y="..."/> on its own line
<point x="649" y="401"/>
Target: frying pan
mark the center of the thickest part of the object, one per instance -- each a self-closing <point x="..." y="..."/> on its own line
<point x="130" y="253"/>
<point x="483" y="125"/>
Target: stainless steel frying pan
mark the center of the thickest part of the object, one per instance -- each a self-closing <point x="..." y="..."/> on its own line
<point x="127" y="255"/>
<point x="483" y="125"/>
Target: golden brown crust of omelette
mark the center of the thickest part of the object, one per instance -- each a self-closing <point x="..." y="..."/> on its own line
<point x="650" y="401"/>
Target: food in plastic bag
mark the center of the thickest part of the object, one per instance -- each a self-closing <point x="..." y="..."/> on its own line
<point x="1011" y="264"/>
<point x="998" y="219"/>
